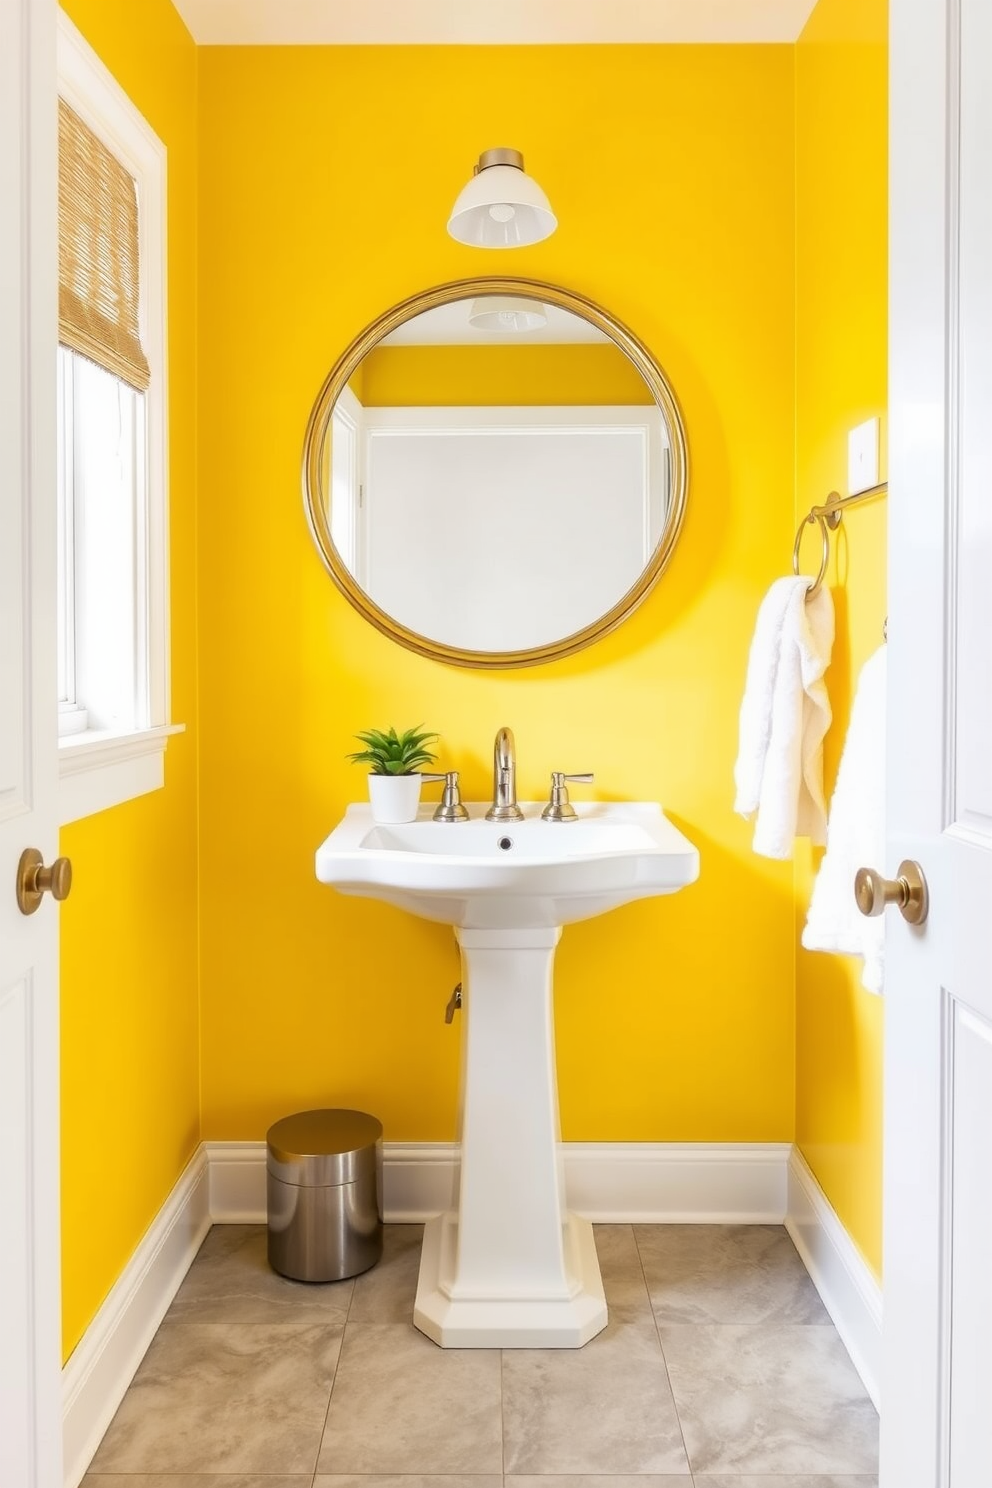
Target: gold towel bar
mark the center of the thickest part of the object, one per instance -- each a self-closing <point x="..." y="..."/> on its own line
<point x="828" y="516"/>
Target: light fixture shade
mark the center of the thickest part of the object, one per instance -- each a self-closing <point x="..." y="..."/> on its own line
<point x="501" y="207"/>
<point x="506" y="313"/>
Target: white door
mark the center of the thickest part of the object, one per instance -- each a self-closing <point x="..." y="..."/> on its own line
<point x="30" y="1405"/>
<point x="937" y="1383"/>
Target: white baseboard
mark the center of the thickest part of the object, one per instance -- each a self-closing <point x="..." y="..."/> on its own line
<point x="677" y="1182"/>
<point x="102" y="1365"/>
<point x="844" y="1280"/>
<point x="626" y="1182"/>
<point x="608" y="1182"/>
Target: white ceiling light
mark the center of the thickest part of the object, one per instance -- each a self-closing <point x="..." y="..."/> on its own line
<point x="506" y="313"/>
<point x="501" y="207"/>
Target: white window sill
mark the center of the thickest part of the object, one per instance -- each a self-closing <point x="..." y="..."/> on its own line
<point x="99" y="769"/>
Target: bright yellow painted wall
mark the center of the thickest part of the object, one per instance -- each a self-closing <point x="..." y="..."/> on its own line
<point x="674" y="1016"/>
<point x="841" y="331"/>
<point x="467" y="376"/>
<point x="130" y="1096"/>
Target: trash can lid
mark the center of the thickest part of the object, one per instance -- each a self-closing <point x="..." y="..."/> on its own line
<point x="323" y="1148"/>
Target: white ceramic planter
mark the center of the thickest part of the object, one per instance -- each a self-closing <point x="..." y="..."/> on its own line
<point x="394" y="798"/>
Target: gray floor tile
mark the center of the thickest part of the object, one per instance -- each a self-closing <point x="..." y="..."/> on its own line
<point x="804" y="1480"/>
<point x="605" y="1408"/>
<point x="233" y="1392"/>
<point x="596" y="1480"/>
<point x="770" y="1399"/>
<point x="402" y="1405"/>
<point x="627" y="1297"/>
<point x="209" y="1398"/>
<point x="386" y="1294"/>
<point x="726" y="1274"/>
<point x="195" y="1480"/>
<point x="231" y="1281"/>
<point x="404" y="1480"/>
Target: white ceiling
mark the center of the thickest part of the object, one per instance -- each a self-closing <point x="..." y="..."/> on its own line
<point x="447" y="325"/>
<point x="486" y="22"/>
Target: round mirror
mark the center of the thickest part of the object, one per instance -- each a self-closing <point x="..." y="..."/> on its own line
<point x="495" y="472"/>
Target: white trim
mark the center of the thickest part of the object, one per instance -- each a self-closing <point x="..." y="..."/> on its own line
<point x="99" y="770"/>
<point x="91" y="90"/>
<point x="72" y="719"/>
<point x="607" y="1182"/>
<point x="101" y="1367"/>
<point x="481" y="22"/>
<point x="513" y="418"/>
<point x="677" y="1182"/>
<point x="237" y="1182"/>
<point x="847" y="1285"/>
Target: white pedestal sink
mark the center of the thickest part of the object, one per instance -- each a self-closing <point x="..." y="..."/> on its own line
<point x="511" y="1267"/>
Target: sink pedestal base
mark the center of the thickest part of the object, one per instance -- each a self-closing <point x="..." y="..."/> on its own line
<point x="512" y="1268"/>
<point x="504" y="1321"/>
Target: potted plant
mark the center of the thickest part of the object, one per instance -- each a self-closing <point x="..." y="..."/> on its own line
<point x="395" y="762"/>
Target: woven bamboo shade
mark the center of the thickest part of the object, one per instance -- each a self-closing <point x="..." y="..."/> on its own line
<point x="98" y="253"/>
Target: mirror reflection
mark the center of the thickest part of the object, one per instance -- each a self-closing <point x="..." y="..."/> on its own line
<point x="496" y="476"/>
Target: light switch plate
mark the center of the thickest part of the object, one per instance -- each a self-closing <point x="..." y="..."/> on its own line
<point x="862" y="457"/>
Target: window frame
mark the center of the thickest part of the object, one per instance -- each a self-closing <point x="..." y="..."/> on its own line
<point x="102" y="768"/>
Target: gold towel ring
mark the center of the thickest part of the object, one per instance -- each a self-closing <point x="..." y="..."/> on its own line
<point x="825" y="555"/>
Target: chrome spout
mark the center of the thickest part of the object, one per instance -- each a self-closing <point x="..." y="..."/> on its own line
<point x="504" y="807"/>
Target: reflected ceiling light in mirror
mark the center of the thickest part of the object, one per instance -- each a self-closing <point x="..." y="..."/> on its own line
<point x="504" y="313"/>
<point x="501" y="207"/>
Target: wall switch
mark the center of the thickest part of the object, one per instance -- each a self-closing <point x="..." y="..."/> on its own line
<point x="862" y="457"/>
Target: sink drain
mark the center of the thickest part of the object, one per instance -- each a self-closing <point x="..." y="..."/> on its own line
<point x="505" y="843"/>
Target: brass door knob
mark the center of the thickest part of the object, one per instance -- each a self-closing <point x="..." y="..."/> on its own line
<point x="908" y="892"/>
<point x="34" y="880"/>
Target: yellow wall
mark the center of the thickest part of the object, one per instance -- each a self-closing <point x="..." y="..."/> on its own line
<point x="676" y="206"/>
<point x="467" y="376"/>
<point x="841" y="332"/>
<point x="675" y="1018"/>
<point x="130" y="1097"/>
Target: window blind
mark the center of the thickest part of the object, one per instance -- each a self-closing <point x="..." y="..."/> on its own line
<point x="98" y="253"/>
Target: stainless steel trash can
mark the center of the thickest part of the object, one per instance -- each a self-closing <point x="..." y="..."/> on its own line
<point x="324" y="1194"/>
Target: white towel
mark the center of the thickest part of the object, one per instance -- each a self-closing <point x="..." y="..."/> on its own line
<point x="855" y="834"/>
<point x="784" y="716"/>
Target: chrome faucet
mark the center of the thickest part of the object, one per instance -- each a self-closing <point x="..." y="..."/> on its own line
<point x="504" y="807"/>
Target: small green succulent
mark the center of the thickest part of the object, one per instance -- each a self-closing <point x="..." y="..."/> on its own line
<point x="391" y="753"/>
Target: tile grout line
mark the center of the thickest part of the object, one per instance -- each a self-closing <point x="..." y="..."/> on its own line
<point x="664" y="1358"/>
<point x="334" y="1380"/>
<point x="502" y="1424"/>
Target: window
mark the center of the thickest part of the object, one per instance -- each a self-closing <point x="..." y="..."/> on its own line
<point x="102" y="491"/>
<point x="113" y="621"/>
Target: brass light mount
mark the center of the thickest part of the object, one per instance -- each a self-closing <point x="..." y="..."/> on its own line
<point x="34" y="880"/>
<point x="498" y="157"/>
<point x="908" y="892"/>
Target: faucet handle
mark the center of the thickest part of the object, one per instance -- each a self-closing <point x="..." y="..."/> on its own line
<point x="450" y="808"/>
<point x="559" y="808"/>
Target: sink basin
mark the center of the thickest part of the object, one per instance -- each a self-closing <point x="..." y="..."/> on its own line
<point x="509" y="1267"/>
<point x="521" y="875"/>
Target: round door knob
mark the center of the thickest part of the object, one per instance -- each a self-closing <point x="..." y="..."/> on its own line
<point x="908" y="892"/>
<point x="34" y="880"/>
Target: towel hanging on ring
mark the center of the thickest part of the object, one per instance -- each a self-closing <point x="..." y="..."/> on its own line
<point x="784" y="716"/>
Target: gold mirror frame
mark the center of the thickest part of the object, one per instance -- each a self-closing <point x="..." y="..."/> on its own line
<point x="344" y="369"/>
